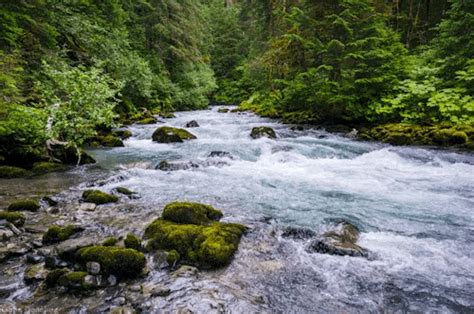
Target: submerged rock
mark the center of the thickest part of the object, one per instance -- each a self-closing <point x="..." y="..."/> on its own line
<point x="192" y="124"/>
<point x="262" y="131"/>
<point x="298" y="233"/>
<point x="9" y="172"/>
<point x="168" y="134"/>
<point x="45" y="167"/>
<point x="192" y="230"/>
<point x="89" y="207"/>
<point x="341" y="241"/>
<point x="223" y="110"/>
<point x="24" y="205"/>
<point x="98" y="197"/>
<point x="123" y="134"/>
<point x="176" y="165"/>
<point x="220" y="154"/>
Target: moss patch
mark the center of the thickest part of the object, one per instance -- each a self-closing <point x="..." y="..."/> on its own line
<point x="173" y="258"/>
<point x="191" y="213"/>
<point x="54" y="275"/>
<point x="166" y="134"/>
<point x="45" y="167"/>
<point x="114" y="260"/>
<point x="8" y="172"/>
<point x="131" y="241"/>
<point x="410" y="134"/>
<point x="98" y="197"/>
<point x="123" y="134"/>
<point x="74" y="280"/>
<point x="16" y="218"/>
<point x="57" y="234"/>
<point x="28" y="205"/>
<point x="124" y="191"/>
<point x="262" y="131"/>
<point x="110" y="241"/>
<point x="150" y="120"/>
<point x="207" y="247"/>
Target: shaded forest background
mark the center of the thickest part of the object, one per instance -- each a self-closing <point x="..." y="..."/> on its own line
<point x="69" y="68"/>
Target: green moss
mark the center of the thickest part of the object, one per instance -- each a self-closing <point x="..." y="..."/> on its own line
<point x="301" y="117"/>
<point x="16" y="218"/>
<point x="28" y="205"/>
<point x="53" y="276"/>
<point x="8" y="172"/>
<point x="112" y="141"/>
<point x="98" y="197"/>
<point x="168" y="134"/>
<point x="167" y="115"/>
<point x="57" y="234"/>
<point x="210" y="246"/>
<point x="132" y="242"/>
<point x="173" y="258"/>
<point x="110" y="241"/>
<point x="151" y="120"/>
<point x="191" y="213"/>
<point x="262" y="131"/>
<point x="124" y="191"/>
<point x="114" y="260"/>
<point x="74" y="280"/>
<point x="45" y="167"/>
<point x="123" y="134"/>
<point x="448" y="137"/>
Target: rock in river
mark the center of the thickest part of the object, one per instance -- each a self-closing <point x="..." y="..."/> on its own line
<point x="192" y="124"/>
<point x="262" y="131"/>
<point x="166" y="134"/>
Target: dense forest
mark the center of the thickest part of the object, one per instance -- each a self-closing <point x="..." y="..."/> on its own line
<point x="72" y="69"/>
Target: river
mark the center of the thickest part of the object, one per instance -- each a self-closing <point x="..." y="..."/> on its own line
<point x="414" y="207"/>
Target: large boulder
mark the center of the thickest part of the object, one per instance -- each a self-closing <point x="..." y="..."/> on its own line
<point x="340" y="241"/>
<point x="262" y="131"/>
<point x="166" y="134"/>
<point x="191" y="234"/>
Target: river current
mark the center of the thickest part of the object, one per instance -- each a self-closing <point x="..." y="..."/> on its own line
<point x="414" y="207"/>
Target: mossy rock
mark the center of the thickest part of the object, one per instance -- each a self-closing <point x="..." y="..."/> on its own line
<point x="173" y="258"/>
<point x="98" y="197"/>
<point x="56" y="234"/>
<point x="205" y="246"/>
<point x="131" y="241"/>
<point x="45" y="167"/>
<point x="121" y="262"/>
<point x="24" y="205"/>
<point x="16" y="218"/>
<point x="301" y="117"/>
<point x="167" y="115"/>
<point x="53" y="276"/>
<point x="191" y="213"/>
<point x="123" y="134"/>
<point x="75" y="280"/>
<point x="150" y="120"/>
<point x="168" y="134"/>
<point x="9" y="172"/>
<point x="223" y="110"/>
<point x="111" y="241"/>
<point x="68" y="155"/>
<point x="124" y="191"/>
<point x="112" y="141"/>
<point x="449" y="137"/>
<point x="262" y="131"/>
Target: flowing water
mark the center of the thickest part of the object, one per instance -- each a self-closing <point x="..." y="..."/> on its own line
<point x="414" y="207"/>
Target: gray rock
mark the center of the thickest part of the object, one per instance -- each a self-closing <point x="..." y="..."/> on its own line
<point x="34" y="259"/>
<point x="221" y="154"/>
<point x="119" y="301"/>
<point x="192" y="124"/>
<point x="298" y="233"/>
<point x="93" y="268"/>
<point x="89" y="207"/>
<point x="135" y="288"/>
<point x="5" y="234"/>
<point x="159" y="260"/>
<point x="186" y="271"/>
<point x="112" y="280"/>
<point x="69" y="247"/>
<point x="176" y="165"/>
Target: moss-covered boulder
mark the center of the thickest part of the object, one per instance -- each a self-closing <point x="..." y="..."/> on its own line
<point x="262" y="131"/>
<point x="223" y="110"/>
<point x="111" y="241"/>
<point x="121" y="262"/>
<point x="69" y="155"/>
<point x="111" y="141"/>
<point x="131" y="241"/>
<point x="168" y="134"/>
<point x="149" y="120"/>
<point x="123" y="134"/>
<point x="75" y="280"/>
<point x="98" y="197"/>
<point x="16" y="218"/>
<point x="191" y="213"/>
<point x="56" y="234"/>
<point x="24" y="205"/>
<point x="167" y="115"/>
<point x="45" y="167"/>
<point x="205" y="246"/>
<point x="9" y="172"/>
<point x="449" y="137"/>
<point x="192" y="230"/>
<point x="125" y="191"/>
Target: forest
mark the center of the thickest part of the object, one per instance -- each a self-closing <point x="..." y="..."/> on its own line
<point x="70" y="68"/>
